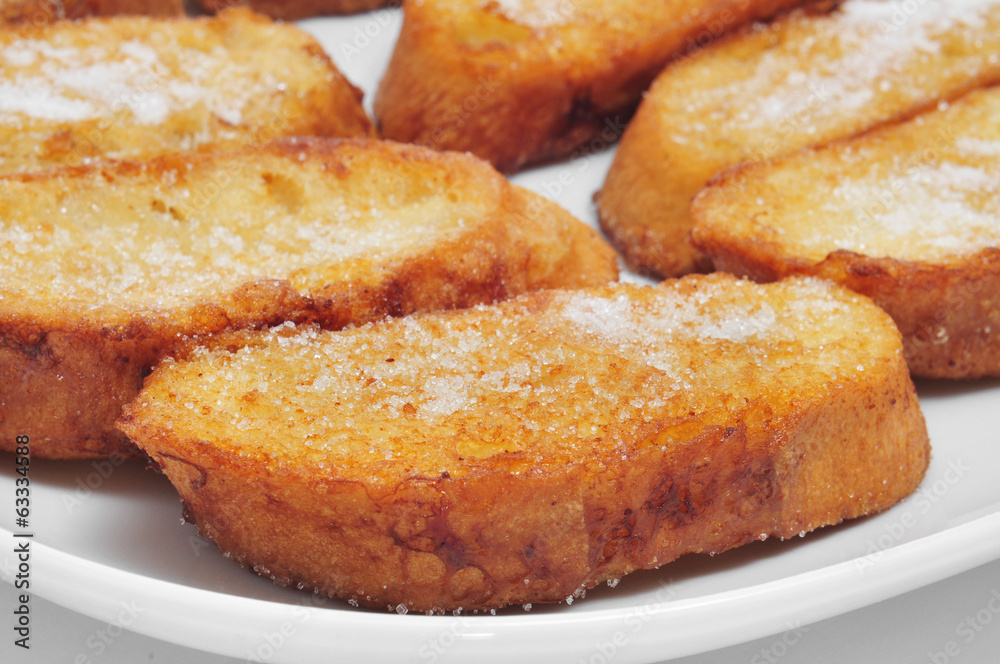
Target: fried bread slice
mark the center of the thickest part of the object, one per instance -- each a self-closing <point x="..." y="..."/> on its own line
<point x="907" y="215"/>
<point x="523" y="81"/>
<point x="104" y="268"/>
<point x="293" y="10"/>
<point x="808" y="78"/>
<point x="526" y="451"/>
<point x="132" y="87"/>
<point x="45" y="11"/>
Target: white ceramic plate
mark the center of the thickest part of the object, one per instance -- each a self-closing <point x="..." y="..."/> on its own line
<point x="109" y="543"/>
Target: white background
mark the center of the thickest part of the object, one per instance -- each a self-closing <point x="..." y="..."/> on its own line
<point x="916" y="627"/>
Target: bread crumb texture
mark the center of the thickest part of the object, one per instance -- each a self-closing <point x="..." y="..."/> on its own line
<point x="129" y="86"/>
<point x="408" y="398"/>
<point x="860" y="56"/>
<point x="926" y="190"/>
<point x="122" y="238"/>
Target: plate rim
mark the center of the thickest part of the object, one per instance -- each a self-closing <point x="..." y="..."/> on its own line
<point x="180" y="614"/>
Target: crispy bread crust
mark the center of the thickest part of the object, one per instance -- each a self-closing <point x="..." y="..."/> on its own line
<point x="67" y="370"/>
<point x="542" y="524"/>
<point x="947" y="313"/>
<point x="66" y="386"/>
<point x="304" y="95"/>
<point x="298" y="9"/>
<point x="644" y="206"/>
<point x="38" y="12"/>
<point x="785" y="217"/>
<point x="472" y="79"/>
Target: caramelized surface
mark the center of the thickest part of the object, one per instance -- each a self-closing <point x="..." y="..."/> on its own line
<point x="806" y="79"/>
<point x="184" y="230"/>
<point x="40" y="11"/>
<point x="523" y="81"/>
<point x="906" y="214"/>
<point x="926" y="190"/>
<point x="554" y="379"/>
<point x="103" y="269"/>
<point x="133" y="87"/>
<point x="293" y="10"/>
<point x="525" y="451"/>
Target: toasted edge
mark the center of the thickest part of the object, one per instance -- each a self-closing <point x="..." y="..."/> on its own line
<point x="491" y="539"/>
<point x="293" y="10"/>
<point x="65" y="380"/>
<point x="448" y="95"/>
<point x="38" y="12"/>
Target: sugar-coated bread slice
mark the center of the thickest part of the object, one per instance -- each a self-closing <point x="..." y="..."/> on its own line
<point x="908" y="215"/>
<point x="132" y="87"/>
<point x="104" y="268"/>
<point x="527" y="451"/>
<point x="44" y="11"/>
<point x="293" y="10"/>
<point x="808" y="78"/>
<point x="522" y="81"/>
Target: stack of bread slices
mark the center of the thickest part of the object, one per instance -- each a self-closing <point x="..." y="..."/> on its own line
<point x="373" y="367"/>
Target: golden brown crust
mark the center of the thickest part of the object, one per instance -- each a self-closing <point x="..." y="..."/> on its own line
<point x="904" y="214"/>
<point x="477" y="509"/>
<point x="947" y="314"/>
<point x="76" y="348"/>
<point x="223" y="82"/>
<point x="293" y="10"/>
<point x="642" y="205"/>
<point x="66" y="385"/>
<point x="808" y="78"/>
<point x="38" y="12"/>
<point x="514" y="91"/>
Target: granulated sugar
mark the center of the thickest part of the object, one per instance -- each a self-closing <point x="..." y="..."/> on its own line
<point x="577" y="370"/>
<point x="821" y="77"/>
<point x="130" y="242"/>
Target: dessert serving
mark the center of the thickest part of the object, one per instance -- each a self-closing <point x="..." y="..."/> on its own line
<point x="527" y="451"/>
<point x="384" y="373"/>
<point x="815" y="75"/>
<point x="44" y="11"/>
<point x="908" y="214"/>
<point x="134" y="87"/>
<point x="104" y="268"/>
<point x="518" y="82"/>
<point x="292" y="10"/>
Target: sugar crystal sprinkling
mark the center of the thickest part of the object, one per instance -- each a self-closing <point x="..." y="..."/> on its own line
<point x="936" y="196"/>
<point x="828" y="72"/>
<point x="978" y="146"/>
<point x="546" y="384"/>
<point x="122" y="243"/>
<point x="538" y="14"/>
<point x="616" y="320"/>
<point x="928" y="213"/>
<point x="73" y="83"/>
